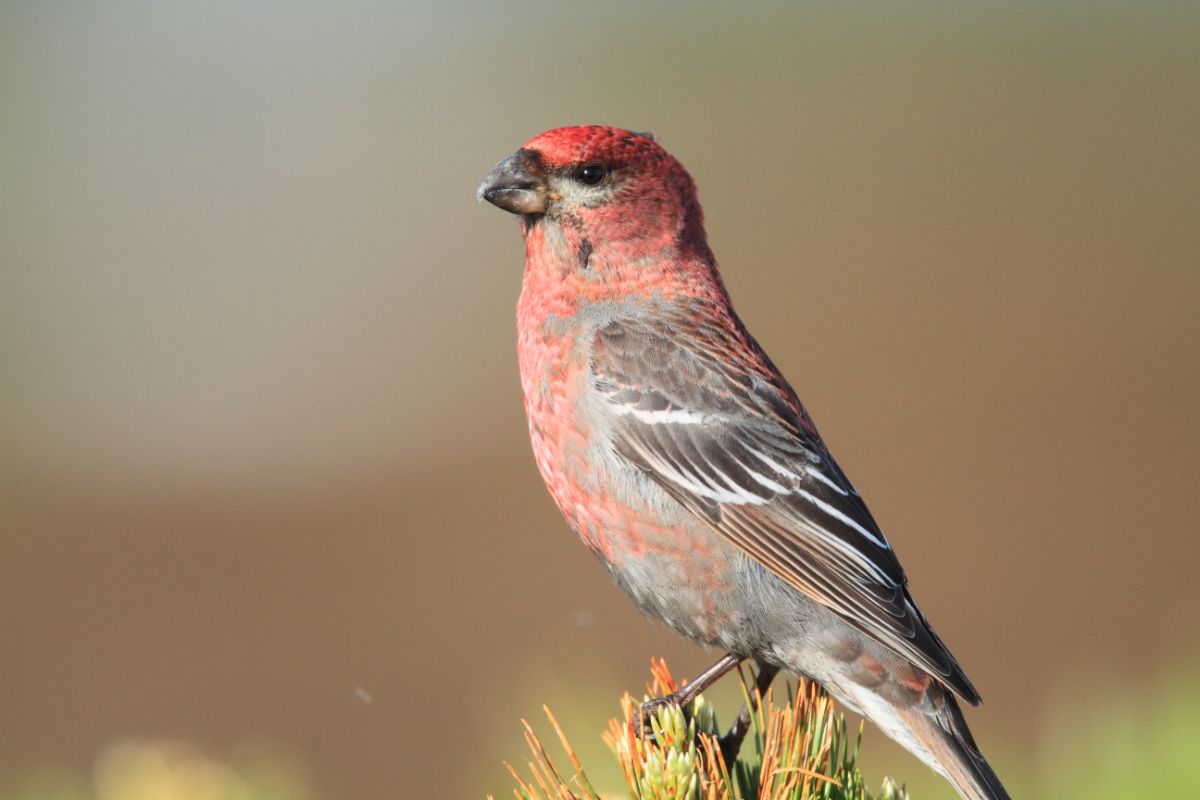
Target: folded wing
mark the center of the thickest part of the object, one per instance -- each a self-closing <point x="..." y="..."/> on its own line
<point x="704" y="413"/>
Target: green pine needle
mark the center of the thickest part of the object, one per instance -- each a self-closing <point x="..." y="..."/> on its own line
<point x="797" y="751"/>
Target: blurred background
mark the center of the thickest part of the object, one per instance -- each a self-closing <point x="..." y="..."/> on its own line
<point x="268" y="517"/>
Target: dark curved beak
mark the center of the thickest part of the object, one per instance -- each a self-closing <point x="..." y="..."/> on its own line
<point x="517" y="184"/>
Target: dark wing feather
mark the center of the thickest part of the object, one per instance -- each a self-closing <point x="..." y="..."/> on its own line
<point x="704" y="413"/>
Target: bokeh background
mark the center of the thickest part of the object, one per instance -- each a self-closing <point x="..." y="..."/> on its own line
<point x="268" y="517"/>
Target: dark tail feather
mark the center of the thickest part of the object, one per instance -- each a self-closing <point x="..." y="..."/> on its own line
<point x="944" y="732"/>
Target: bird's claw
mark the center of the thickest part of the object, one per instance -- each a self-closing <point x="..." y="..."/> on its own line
<point x="729" y="744"/>
<point x="648" y="710"/>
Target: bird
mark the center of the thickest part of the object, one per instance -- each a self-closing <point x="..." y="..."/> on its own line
<point x="681" y="456"/>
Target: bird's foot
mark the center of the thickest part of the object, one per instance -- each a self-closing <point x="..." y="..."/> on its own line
<point x="684" y="696"/>
<point x="650" y="709"/>
<point x="731" y="742"/>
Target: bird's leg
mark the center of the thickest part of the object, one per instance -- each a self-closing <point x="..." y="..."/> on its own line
<point x="684" y="696"/>
<point x="731" y="742"/>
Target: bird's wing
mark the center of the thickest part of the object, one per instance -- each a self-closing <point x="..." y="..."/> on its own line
<point x="701" y="409"/>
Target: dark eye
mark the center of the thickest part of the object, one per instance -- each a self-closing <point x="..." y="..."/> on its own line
<point x="591" y="174"/>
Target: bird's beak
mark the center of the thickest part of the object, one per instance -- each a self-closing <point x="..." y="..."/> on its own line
<point x="517" y="184"/>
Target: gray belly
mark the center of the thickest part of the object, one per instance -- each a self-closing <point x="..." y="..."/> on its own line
<point x="746" y="611"/>
<point x="713" y="593"/>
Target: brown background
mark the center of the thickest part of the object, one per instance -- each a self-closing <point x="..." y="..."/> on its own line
<point x="261" y="441"/>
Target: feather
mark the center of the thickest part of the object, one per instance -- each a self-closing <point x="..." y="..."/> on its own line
<point x="700" y="409"/>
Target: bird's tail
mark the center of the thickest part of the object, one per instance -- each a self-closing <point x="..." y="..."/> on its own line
<point x="941" y="731"/>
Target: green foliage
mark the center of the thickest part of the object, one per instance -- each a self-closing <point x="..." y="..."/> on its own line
<point x="797" y="751"/>
<point x="1116" y="742"/>
<point x="162" y="769"/>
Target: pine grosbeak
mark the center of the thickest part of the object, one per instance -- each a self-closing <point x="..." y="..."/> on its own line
<point x="685" y="461"/>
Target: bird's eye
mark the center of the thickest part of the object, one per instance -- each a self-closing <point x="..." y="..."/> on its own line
<point x="591" y="174"/>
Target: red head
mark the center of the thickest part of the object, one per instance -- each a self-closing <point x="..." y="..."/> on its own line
<point x="610" y="187"/>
